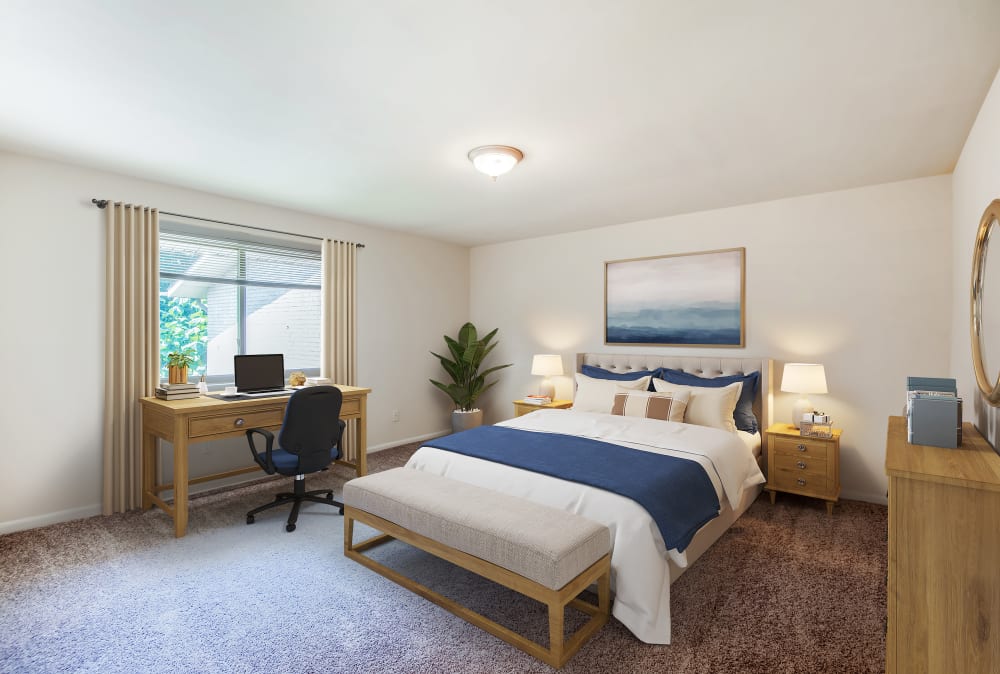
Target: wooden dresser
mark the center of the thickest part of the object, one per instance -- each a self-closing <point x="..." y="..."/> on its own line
<point x="944" y="555"/>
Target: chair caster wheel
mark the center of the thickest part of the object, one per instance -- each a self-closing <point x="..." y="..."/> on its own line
<point x="289" y="527"/>
<point x="329" y="496"/>
<point x="249" y="519"/>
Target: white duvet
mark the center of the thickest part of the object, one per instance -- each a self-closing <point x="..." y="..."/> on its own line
<point x="640" y="575"/>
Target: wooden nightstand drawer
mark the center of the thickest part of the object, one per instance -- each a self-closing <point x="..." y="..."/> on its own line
<point x="801" y="464"/>
<point x="808" y="447"/>
<point x="802" y="483"/>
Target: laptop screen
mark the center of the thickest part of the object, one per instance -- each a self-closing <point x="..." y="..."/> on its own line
<point x="259" y="372"/>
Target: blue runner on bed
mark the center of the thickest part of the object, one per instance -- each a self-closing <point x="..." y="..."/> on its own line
<point x="676" y="492"/>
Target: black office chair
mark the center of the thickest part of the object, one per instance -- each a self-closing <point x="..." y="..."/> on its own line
<point x="309" y="441"/>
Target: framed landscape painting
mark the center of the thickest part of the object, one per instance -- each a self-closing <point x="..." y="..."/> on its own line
<point x="692" y="299"/>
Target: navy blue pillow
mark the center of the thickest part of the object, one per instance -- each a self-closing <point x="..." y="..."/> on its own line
<point x="601" y="373"/>
<point x="743" y="414"/>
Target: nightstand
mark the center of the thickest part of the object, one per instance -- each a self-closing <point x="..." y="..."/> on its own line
<point x="522" y="408"/>
<point x="804" y="465"/>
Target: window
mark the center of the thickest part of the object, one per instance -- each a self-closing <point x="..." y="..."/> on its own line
<point x="221" y="297"/>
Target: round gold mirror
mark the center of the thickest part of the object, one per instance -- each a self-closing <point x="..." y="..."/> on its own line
<point x="986" y="306"/>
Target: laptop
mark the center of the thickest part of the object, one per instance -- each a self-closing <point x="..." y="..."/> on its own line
<point x="260" y="374"/>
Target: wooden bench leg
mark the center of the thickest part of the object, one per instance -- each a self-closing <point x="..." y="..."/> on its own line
<point x="557" y="619"/>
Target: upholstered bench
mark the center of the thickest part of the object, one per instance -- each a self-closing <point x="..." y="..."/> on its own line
<point x="547" y="554"/>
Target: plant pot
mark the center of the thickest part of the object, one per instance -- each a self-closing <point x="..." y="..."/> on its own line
<point x="463" y="421"/>
<point x="177" y="375"/>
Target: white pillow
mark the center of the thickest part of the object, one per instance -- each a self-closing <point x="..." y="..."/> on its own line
<point x="711" y="407"/>
<point x="597" y="395"/>
<point x="663" y="406"/>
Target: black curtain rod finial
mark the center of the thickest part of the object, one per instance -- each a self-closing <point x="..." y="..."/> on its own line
<point x="100" y="203"/>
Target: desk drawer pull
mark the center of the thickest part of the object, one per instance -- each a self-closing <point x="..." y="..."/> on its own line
<point x="801" y="482"/>
<point x="239" y="421"/>
<point x="801" y="448"/>
<point x="801" y="464"/>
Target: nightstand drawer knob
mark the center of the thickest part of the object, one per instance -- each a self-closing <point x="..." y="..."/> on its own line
<point x="801" y="482"/>
<point x="801" y="464"/>
<point x="239" y="421"/>
<point x="801" y="448"/>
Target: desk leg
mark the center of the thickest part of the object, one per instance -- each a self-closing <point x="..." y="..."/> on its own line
<point x="180" y="478"/>
<point x="362" y="466"/>
<point x="148" y="469"/>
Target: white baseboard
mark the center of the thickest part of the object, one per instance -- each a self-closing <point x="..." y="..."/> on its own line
<point x="406" y="441"/>
<point x="49" y="518"/>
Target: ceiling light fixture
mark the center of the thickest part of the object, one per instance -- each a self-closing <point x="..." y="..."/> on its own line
<point x="495" y="160"/>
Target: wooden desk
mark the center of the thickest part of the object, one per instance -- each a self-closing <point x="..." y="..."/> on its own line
<point x="183" y="422"/>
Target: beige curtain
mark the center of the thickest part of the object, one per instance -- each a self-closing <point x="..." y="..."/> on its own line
<point x="338" y="334"/>
<point x="131" y="347"/>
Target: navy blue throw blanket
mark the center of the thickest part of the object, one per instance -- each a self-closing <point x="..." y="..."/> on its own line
<point x="676" y="492"/>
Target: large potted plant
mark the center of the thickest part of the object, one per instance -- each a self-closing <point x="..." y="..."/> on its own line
<point x="467" y="354"/>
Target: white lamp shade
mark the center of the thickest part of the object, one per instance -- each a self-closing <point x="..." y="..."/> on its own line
<point x="547" y="365"/>
<point x="803" y="378"/>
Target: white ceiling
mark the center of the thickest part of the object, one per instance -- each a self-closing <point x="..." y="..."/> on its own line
<point x="625" y="110"/>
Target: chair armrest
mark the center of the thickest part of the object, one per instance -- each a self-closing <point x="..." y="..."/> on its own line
<point x="262" y="461"/>
<point x="340" y="438"/>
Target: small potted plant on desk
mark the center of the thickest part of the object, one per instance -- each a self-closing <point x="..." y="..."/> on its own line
<point x="467" y="355"/>
<point x="177" y="366"/>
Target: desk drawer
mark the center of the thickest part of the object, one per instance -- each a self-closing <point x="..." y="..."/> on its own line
<point x="350" y="408"/>
<point x="234" y="421"/>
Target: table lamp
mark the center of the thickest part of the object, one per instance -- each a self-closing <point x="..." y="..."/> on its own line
<point x="547" y="365"/>
<point x="803" y="378"/>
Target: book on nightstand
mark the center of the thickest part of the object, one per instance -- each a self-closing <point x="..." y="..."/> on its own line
<point x="537" y="400"/>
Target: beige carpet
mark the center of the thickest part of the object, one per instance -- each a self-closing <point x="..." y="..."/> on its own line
<point x="788" y="589"/>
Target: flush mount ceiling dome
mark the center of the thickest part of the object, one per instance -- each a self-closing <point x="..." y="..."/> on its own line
<point x="495" y="160"/>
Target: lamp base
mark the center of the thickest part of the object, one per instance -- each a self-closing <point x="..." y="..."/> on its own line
<point x="802" y="406"/>
<point x="547" y="388"/>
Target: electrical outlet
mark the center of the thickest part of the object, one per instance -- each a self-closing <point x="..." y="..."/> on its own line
<point x="395" y="415"/>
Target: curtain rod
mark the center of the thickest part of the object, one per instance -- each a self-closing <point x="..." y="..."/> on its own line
<point x="103" y="203"/>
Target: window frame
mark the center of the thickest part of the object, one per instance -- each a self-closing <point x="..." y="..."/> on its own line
<point x="241" y="282"/>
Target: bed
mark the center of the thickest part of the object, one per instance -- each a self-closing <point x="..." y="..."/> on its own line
<point x="642" y="565"/>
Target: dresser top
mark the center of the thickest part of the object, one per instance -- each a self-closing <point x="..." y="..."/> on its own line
<point x="974" y="464"/>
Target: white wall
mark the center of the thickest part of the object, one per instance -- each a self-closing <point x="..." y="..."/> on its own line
<point x="975" y="183"/>
<point x="411" y="291"/>
<point x="850" y="279"/>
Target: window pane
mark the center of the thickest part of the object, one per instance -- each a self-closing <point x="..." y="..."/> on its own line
<point x="223" y="328"/>
<point x="284" y="321"/>
<point x="223" y="297"/>
<point x="183" y="323"/>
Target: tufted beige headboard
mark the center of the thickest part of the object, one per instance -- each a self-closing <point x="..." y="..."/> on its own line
<point x="703" y="366"/>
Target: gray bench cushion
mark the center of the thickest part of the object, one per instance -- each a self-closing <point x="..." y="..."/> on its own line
<point x="547" y="545"/>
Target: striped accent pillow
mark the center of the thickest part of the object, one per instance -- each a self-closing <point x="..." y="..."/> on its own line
<point x="663" y="406"/>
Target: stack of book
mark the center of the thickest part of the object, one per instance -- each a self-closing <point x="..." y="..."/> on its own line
<point x="177" y="391"/>
<point x="537" y="400"/>
<point x="933" y="411"/>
